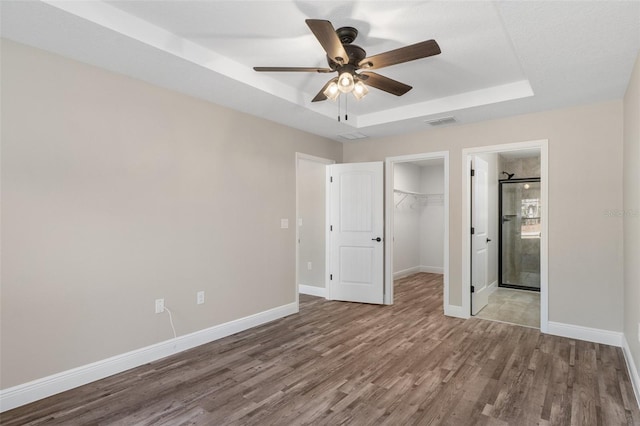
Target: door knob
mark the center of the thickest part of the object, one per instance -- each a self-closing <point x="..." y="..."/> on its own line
<point x="376" y="239"/>
<point x="488" y="240"/>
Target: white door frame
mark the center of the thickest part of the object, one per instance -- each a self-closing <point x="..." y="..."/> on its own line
<point x="325" y="161"/>
<point x="389" y="220"/>
<point x="543" y="145"/>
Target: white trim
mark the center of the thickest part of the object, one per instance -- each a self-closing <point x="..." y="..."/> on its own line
<point x="492" y="287"/>
<point x="312" y="290"/>
<point x="432" y="269"/>
<point x="389" y="214"/>
<point x="406" y="272"/>
<point x="44" y="387"/>
<point x="543" y="145"/>
<point x="416" y="269"/>
<point x="631" y="368"/>
<point x="327" y="236"/>
<point x="455" y="311"/>
<point x="595" y="335"/>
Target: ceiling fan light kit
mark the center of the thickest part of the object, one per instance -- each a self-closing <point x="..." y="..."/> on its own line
<point x="346" y="59"/>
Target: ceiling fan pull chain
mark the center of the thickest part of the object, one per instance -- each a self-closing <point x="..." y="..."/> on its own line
<point x="339" y="112"/>
<point x="346" y="108"/>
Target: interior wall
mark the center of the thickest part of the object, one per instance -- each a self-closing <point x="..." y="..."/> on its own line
<point x="311" y="181"/>
<point x="116" y="193"/>
<point x="431" y="225"/>
<point x="521" y="167"/>
<point x="585" y="250"/>
<point x="406" y="217"/>
<point x="630" y="214"/>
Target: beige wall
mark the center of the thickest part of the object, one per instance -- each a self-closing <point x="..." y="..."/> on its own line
<point x="115" y="193"/>
<point x="585" y="180"/>
<point x="631" y="209"/>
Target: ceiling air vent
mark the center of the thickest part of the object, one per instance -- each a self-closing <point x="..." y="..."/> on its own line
<point x="441" y="121"/>
<point x="353" y="136"/>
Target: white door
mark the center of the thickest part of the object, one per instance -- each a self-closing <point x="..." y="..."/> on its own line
<point x="356" y="260"/>
<point x="479" y="236"/>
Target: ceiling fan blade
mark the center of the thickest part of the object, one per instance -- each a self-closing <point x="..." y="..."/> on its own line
<point x="326" y="35"/>
<point x="403" y="54"/>
<point x="384" y="83"/>
<point x="292" y="69"/>
<point x="321" y="96"/>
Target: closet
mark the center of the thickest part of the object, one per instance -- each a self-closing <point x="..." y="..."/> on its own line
<point x="418" y="217"/>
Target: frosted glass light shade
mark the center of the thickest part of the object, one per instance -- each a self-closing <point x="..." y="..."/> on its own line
<point x="360" y="90"/>
<point x="345" y="82"/>
<point x="332" y="92"/>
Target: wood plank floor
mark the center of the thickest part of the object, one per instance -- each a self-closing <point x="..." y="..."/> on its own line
<point x="343" y="363"/>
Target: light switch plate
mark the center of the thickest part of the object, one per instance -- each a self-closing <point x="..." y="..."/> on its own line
<point x="284" y="223"/>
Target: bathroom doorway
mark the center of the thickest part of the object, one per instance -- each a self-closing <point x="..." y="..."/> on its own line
<point x="524" y="163"/>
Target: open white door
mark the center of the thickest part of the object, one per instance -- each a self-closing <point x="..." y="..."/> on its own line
<point x="355" y="269"/>
<point x="479" y="235"/>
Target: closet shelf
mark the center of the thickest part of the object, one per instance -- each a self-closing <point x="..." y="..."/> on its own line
<point x="417" y="196"/>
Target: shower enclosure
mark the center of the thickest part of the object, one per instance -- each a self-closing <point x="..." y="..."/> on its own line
<point x="519" y="242"/>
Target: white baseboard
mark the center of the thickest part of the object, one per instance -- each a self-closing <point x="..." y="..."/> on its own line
<point x="41" y="388"/>
<point x="406" y="272"/>
<point x="415" y="269"/>
<point x="605" y="337"/>
<point x="432" y="269"/>
<point x="455" y="311"/>
<point x="312" y="290"/>
<point x="631" y="368"/>
<point x="492" y="287"/>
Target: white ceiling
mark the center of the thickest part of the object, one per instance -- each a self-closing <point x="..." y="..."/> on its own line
<point x="498" y="58"/>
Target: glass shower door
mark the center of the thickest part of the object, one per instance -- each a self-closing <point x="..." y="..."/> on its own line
<point x="520" y="234"/>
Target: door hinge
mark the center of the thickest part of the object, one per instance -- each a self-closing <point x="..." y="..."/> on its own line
<point x="473" y="172"/>
<point x="473" y="289"/>
<point x="473" y="230"/>
<point x="331" y="277"/>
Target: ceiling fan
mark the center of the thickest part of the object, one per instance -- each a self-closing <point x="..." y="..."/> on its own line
<point x="346" y="59"/>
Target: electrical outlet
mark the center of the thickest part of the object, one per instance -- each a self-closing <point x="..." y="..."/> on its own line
<point x="309" y="266"/>
<point x="200" y="297"/>
<point x="159" y="306"/>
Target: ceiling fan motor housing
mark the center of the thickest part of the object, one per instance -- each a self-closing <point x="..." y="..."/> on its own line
<point x="356" y="54"/>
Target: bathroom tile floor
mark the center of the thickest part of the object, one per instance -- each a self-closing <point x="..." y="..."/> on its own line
<point x="520" y="307"/>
